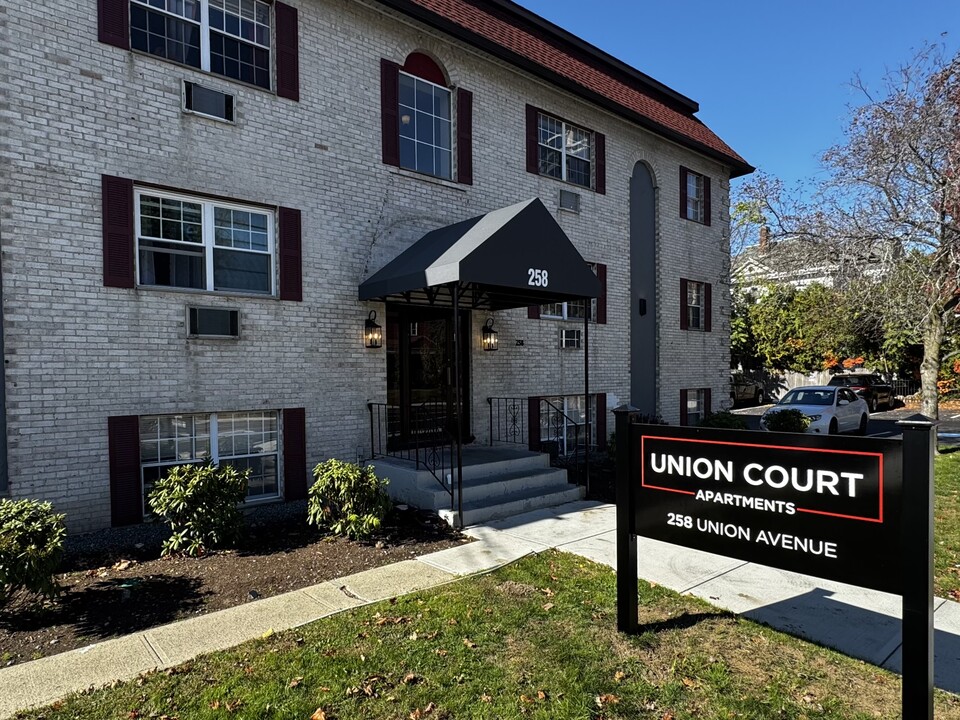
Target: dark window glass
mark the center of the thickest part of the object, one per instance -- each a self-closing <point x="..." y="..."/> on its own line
<point x="249" y="272"/>
<point x="171" y="265"/>
<point x="239" y="60"/>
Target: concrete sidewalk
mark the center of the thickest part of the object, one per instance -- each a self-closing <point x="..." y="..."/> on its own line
<point x="858" y="622"/>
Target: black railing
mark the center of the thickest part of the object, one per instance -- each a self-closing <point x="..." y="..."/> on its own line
<point x="508" y="420"/>
<point x="427" y="442"/>
<point x="564" y="438"/>
<point x="557" y="426"/>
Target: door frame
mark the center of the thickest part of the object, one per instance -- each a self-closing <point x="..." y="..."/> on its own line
<point x="401" y="315"/>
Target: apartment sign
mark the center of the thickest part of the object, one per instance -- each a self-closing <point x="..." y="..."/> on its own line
<point x="818" y="505"/>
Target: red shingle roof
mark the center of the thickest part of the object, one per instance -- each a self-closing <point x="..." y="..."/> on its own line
<point x="545" y="46"/>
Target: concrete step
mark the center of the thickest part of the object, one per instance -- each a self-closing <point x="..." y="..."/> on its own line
<point x="495" y="486"/>
<point x="478" y="511"/>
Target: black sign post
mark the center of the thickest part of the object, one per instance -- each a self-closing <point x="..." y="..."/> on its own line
<point x="917" y="653"/>
<point x="627" y="599"/>
<point x="856" y="510"/>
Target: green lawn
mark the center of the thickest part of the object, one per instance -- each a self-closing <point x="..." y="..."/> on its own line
<point x="946" y="556"/>
<point x="536" y="639"/>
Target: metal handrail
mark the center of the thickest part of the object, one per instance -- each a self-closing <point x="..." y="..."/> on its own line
<point x="432" y="447"/>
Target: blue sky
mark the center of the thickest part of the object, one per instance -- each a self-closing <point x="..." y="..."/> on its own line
<point x="772" y="78"/>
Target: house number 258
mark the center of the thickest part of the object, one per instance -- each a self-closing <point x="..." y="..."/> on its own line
<point x="538" y="278"/>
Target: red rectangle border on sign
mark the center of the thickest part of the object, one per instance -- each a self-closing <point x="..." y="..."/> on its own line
<point x="878" y="456"/>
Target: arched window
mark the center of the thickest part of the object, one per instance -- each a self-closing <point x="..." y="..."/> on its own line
<point x="425" y="118"/>
<point x="420" y="115"/>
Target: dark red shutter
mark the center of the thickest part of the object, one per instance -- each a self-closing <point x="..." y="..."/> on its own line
<point x="533" y="312"/>
<point x="533" y="423"/>
<point x="707" y="401"/>
<point x="602" y="300"/>
<point x="390" y="111"/>
<point x="683" y="304"/>
<point x="683" y="193"/>
<point x="113" y="23"/>
<point x="533" y="152"/>
<point x="294" y="454"/>
<point x="291" y="257"/>
<point x="706" y="200"/>
<point x="465" y="136"/>
<point x="117" y="211"/>
<point x="683" y="407"/>
<point x="288" y="52"/>
<point x="707" y="307"/>
<point x="602" y="421"/>
<point x="123" y="439"/>
<point x="600" y="154"/>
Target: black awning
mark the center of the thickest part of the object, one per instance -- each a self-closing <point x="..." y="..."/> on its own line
<point x="511" y="257"/>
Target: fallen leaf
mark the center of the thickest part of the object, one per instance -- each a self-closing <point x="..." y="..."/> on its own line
<point x="413" y="636"/>
<point x="548" y="592"/>
<point x="452" y="621"/>
<point x="525" y="699"/>
<point x="606" y="699"/>
<point x="429" y="708"/>
<point x="411" y="679"/>
<point x="319" y="714"/>
<point x="541" y="695"/>
<point x="548" y="607"/>
<point x="122" y="564"/>
<point x="486" y="698"/>
<point x="234" y="705"/>
<point x="667" y="716"/>
<point x="619" y="675"/>
<point x="469" y="643"/>
<point x="296" y="681"/>
<point x="441" y="652"/>
<point x="215" y="705"/>
<point x="267" y="634"/>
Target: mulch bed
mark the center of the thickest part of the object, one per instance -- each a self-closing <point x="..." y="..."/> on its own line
<point x="115" y="581"/>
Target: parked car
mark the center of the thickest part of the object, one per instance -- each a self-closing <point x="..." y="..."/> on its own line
<point x="871" y="388"/>
<point x="830" y="409"/>
<point x="745" y="390"/>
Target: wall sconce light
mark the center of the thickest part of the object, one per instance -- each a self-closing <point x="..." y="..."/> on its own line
<point x="372" y="333"/>
<point x="489" y="336"/>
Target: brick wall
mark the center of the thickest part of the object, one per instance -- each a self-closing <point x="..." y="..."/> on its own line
<point x="78" y="352"/>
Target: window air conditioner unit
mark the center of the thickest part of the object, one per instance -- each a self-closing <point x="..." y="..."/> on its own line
<point x="570" y="339"/>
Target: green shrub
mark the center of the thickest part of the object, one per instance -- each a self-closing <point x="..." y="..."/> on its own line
<point x="723" y="419"/>
<point x="789" y="420"/>
<point x="31" y="545"/>
<point x="347" y="499"/>
<point x="200" y="504"/>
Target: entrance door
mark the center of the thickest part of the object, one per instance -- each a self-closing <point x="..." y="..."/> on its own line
<point x="420" y="381"/>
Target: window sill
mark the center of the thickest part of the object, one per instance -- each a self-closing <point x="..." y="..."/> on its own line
<point x="427" y="178"/>
<point x="205" y="293"/>
<point x="566" y="183"/>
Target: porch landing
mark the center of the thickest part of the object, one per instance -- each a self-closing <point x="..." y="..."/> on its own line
<point x="498" y="482"/>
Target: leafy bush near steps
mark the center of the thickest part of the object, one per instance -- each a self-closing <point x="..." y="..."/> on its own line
<point x="200" y="503"/>
<point x="31" y="545"/>
<point x="724" y="419"/>
<point x="789" y="420"/>
<point x="347" y="499"/>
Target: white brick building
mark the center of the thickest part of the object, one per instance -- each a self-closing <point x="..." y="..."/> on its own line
<point x="120" y="211"/>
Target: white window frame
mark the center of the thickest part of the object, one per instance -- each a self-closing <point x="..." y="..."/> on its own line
<point x="563" y="402"/>
<point x="699" y="399"/>
<point x="214" y="453"/>
<point x="696" y="201"/>
<point x="565" y="307"/>
<point x="207" y="206"/>
<point x="205" y="31"/>
<point x="450" y="121"/>
<point x="566" y="128"/>
<point x="700" y="290"/>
